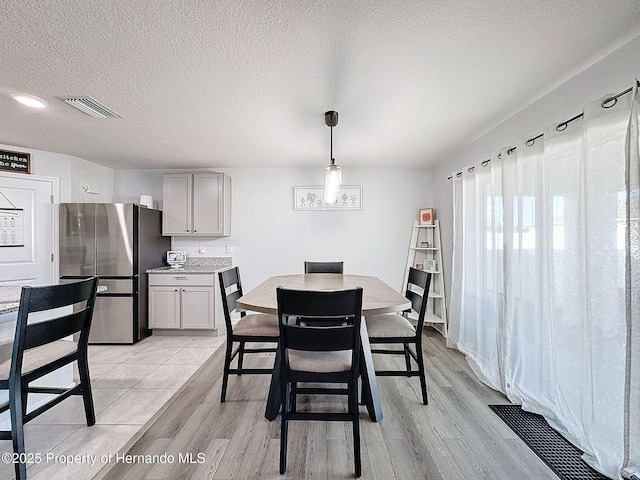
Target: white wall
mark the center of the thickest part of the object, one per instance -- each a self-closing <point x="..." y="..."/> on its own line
<point x="269" y="237"/>
<point x="73" y="173"/>
<point x="614" y="73"/>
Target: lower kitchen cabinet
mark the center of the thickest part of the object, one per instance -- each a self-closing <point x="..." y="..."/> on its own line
<point x="181" y="301"/>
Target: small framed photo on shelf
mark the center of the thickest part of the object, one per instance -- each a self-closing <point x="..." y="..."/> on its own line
<point x="424" y="244"/>
<point x="430" y="265"/>
<point x="426" y="216"/>
<point x="419" y="266"/>
<point x="176" y="258"/>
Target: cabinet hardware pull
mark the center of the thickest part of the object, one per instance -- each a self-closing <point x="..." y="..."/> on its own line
<point x="180" y="278"/>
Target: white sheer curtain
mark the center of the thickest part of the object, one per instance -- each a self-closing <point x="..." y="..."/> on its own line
<point x="476" y="290"/>
<point x="545" y="279"/>
<point x="632" y="291"/>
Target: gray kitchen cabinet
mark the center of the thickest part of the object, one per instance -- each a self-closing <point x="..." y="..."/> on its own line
<point x="181" y="301"/>
<point x="196" y="204"/>
<point x="164" y="307"/>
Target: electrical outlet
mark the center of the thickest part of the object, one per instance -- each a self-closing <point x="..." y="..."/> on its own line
<point x="229" y="249"/>
<point x="201" y="249"/>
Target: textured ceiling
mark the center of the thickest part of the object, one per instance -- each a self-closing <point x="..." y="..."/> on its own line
<point x="245" y="83"/>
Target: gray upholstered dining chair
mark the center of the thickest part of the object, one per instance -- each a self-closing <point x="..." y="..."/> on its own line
<point x="393" y="328"/>
<point x="252" y="328"/>
<point x="324" y="356"/>
<point x="323" y="267"/>
<point x="41" y="347"/>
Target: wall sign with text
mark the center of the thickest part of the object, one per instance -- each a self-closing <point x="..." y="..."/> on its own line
<point x="16" y="162"/>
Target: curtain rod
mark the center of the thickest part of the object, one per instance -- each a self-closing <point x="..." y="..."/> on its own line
<point x="606" y="103"/>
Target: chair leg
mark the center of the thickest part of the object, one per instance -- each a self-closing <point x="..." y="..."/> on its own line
<point x="225" y="373"/>
<point x="407" y="357"/>
<point x="293" y="396"/>
<point x="87" y="395"/>
<point x="353" y="406"/>
<point x="284" y="427"/>
<point x="423" y="381"/>
<point x="240" y="357"/>
<point x="16" y="401"/>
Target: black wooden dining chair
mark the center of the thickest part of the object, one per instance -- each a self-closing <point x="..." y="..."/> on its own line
<point x="319" y="355"/>
<point x="393" y="328"/>
<point x="252" y="328"/>
<point x="41" y="347"/>
<point x="323" y="267"/>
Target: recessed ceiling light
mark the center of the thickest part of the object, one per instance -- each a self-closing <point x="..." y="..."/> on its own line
<point x="28" y="100"/>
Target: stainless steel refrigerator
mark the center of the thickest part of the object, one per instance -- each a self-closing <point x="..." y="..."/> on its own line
<point x="119" y="242"/>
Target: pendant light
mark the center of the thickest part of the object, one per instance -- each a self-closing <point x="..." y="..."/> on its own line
<point x="332" y="172"/>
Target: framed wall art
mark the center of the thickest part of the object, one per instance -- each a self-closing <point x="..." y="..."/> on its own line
<point x="430" y="265"/>
<point x="426" y="216"/>
<point x="11" y="227"/>
<point x="312" y="198"/>
<point x="176" y="258"/>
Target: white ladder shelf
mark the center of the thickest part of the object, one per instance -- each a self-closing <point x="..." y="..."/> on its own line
<point x="425" y="249"/>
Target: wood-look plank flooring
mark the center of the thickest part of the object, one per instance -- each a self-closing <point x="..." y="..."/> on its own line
<point x="456" y="436"/>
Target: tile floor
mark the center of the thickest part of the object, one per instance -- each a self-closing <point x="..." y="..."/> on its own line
<point x="130" y="384"/>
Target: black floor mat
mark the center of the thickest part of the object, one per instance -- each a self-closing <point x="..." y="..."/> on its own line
<point x="552" y="448"/>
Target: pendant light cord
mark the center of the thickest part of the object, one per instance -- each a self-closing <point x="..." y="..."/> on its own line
<point x="331" y="120"/>
<point x="332" y="159"/>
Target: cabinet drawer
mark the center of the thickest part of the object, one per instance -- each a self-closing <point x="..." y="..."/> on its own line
<point x="177" y="279"/>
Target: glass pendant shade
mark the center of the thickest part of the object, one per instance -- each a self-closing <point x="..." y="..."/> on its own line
<point x="332" y="172"/>
<point x="332" y="182"/>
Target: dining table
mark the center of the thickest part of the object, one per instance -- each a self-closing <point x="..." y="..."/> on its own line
<point x="377" y="298"/>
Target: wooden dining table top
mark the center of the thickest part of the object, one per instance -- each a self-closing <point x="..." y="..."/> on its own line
<point x="377" y="296"/>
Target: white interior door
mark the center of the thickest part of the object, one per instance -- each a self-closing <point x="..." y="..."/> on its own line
<point x="28" y="240"/>
<point x="28" y="229"/>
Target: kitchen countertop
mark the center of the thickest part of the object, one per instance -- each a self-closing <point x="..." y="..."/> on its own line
<point x="197" y="265"/>
<point x="9" y="298"/>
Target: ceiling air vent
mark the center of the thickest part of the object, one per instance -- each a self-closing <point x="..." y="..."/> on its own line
<point x="90" y="106"/>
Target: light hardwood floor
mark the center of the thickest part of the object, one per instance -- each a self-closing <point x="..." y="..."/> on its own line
<point x="130" y="384"/>
<point x="456" y="436"/>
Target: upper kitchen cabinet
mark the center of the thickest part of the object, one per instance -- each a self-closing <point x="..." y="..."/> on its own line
<point x="196" y="204"/>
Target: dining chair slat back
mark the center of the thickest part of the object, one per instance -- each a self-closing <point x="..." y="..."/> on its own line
<point x="396" y="329"/>
<point x="40" y="347"/>
<point x="323" y="267"/>
<point x="231" y="289"/>
<point x="250" y="328"/>
<point x="325" y="355"/>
